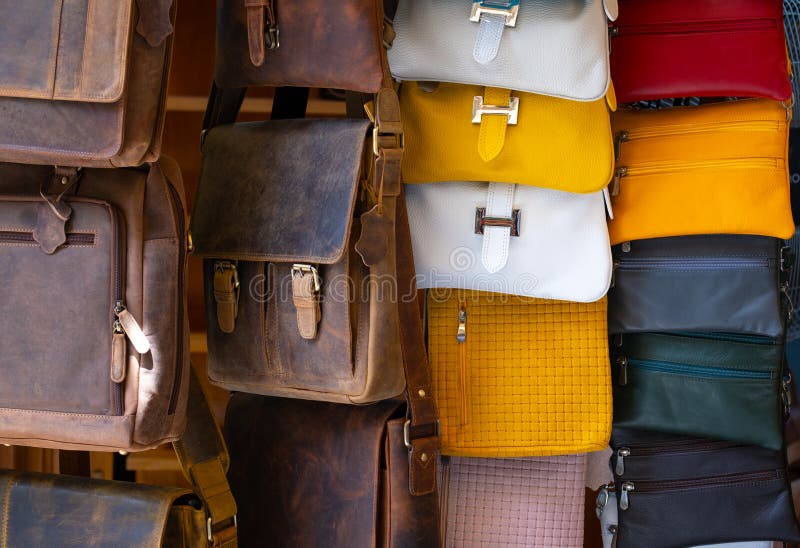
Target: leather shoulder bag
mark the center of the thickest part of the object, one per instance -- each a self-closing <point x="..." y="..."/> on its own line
<point x="674" y="491"/>
<point x="314" y="43"/>
<point x="720" y="283"/>
<point x="472" y="133"/>
<point x="93" y="314"/>
<point x="699" y="48"/>
<point x="53" y="510"/>
<point x="700" y="170"/>
<point x="513" y="502"/>
<point x="82" y="83"/>
<point x="511" y="239"/>
<point x="719" y="385"/>
<point x="491" y="44"/>
<point x="518" y="377"/>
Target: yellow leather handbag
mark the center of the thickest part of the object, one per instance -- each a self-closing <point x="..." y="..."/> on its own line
<point x="457" y="132"/>
<point x="519" y="377"/>
<point x="718" y="168"/>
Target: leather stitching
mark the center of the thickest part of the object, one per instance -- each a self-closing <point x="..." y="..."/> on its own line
<point x="490" y="33"/>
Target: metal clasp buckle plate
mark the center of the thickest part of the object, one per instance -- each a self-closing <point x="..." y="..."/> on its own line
<point x="407" y="432"/>
<point x="479" y="109"/>
<point x="509" y="10"/>
<point x="303" y="269"/>
<point x="210" y="532"/>
<point x="399" y="137"/>
<point x="482" y="221"/>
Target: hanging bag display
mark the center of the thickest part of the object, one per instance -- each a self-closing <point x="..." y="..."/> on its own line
<point x="314" y="43"/>
<point x="719" y="385"/>
<point x="725" y="283"/>
<point x="472" y="133"/>
<point x="511" y="239"/>
<point x="699" y="48"/>
<point x="717" y="168"/>
<point x="60" y="510"/>
<point x="518" y="377"/>
<point x="491" y="44"/>
<point x="94" y="331"/>
<point x="82" y="83"/>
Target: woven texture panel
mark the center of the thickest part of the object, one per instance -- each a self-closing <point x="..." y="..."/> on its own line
<point x="514" y="502"/>
<point x="531" y="378"/>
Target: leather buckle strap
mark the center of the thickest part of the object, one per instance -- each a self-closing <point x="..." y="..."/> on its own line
<point x="223" y="536"/>
<point x="508" y="10"/>
<point x="306" y="287"/>
<point x="226" y="294"/>
<point x="479" y="109"/>
<point x="493" y="17"/>
<point x="262" y="29"/>
<point x="495" y="111"/>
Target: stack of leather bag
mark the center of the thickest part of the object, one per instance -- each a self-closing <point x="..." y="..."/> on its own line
<point x="93" y="326"/>
<point x="699" y="306"/>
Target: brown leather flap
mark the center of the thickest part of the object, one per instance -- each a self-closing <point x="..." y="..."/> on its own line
<point x="282" y="191"/>
<point x="65" y="50"/>
<point x="52" y="510"/>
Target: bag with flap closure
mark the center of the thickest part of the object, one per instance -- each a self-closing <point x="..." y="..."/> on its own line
<point x="84" y="83"/>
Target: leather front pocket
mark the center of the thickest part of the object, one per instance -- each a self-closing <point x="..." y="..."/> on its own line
<point x="57" y="311"/>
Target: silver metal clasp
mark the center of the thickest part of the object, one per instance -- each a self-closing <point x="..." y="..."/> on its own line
<point x="509" y="10"/>
<point x="479" y="109"/>
<point x="482" y="221"/>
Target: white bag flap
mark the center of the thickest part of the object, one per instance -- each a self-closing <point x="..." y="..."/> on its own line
<point x="537" y="46"/>
<point x="562" y="251"/>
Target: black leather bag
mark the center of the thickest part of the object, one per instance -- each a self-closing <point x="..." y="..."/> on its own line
<point x="675" y="491"/>
<point x="722" y="283"/>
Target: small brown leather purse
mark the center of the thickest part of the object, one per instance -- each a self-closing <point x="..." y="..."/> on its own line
<point x="84" y="83"/>
<point x="313" y="43"/>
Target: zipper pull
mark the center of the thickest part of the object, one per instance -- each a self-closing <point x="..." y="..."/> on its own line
<point x="613" y="530"/>
<point x="626" y="247"/>
<point x="789" y="303"/>
<point x="602" y="500"/>
<point x="131" y="328"/>
<point x="624" y="500"/>
<point x="119" y="353"/>
<point x="616" y="181"/>
<point x="622" y="363"/>
<point x="613" y="31"/>
<point x="786" y="395"/>
<point x="619" y="138"/>
<point x="614" y="267"/>
<point x="622" y="452"/>
<point x="461" y="335"/>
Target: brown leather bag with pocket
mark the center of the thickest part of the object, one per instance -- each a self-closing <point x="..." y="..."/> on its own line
<point x="83" y="83"/>
<point x="313" y="43"/>
<point x="93" y="325"/>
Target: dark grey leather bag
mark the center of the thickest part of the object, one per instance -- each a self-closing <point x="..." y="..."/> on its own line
<point x="724" y="283"/>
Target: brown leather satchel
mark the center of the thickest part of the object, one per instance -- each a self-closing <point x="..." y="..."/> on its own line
<point x="93" y="325"/>
<point x="313" y="43"/>
<point x="296" y="221"/>
<point x="84" y="83"/>
<point x="53" y="510"/>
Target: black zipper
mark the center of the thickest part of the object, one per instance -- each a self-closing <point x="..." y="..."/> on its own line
<point x="729" y="337"/>
<point x="695" y="27"/>
<point x="74" y="238"/>
<point x="118" y="240"/>
<point x="672" y="447"/>
<point x="181" y="217"/>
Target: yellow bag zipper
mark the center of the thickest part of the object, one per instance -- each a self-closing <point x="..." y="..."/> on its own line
<point x="461" y="337"/>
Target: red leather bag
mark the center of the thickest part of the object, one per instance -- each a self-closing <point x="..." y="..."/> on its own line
<point x="699" y="48"/>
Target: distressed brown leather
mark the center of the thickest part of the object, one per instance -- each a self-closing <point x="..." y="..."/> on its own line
<point x="60" y="353"/>
<point x="308" y="474"/>
<point x="84" y="83"/>
<point x="323" y="44"/>
<point x="287" y="192"/>
<point x="53" y="510"/>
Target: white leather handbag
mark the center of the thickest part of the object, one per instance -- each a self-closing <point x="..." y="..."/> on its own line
<point x="512" y="239"/>
<point x="536" y="46"/>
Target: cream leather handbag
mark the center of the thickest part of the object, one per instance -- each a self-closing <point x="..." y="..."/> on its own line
<point x="536" y="46"/>
<point x="512" y="239"/>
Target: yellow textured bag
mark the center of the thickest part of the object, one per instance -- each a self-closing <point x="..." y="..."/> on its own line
<point x="519" y="377"/>
<point x="457" y="132"/>
<point x="718" y="168"/>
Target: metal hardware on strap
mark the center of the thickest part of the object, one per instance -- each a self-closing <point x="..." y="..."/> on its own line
<point x="303" y="269"/>
<point x="509" y="10"/>
<point x="479" y="110"/>
<point x="379" y="140"/>
<point x="223" y="535"/>
<point x="271" y="31"/>
<point x="306" y="285"/>
<point x="481" y="221"/>
<point x="226" y="294"/>
<point x="431" y="430"/>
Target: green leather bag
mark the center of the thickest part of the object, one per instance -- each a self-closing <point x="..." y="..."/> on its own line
<point x="716" y="385"/>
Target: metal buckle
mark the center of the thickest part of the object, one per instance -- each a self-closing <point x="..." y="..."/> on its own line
<point x="407" y="432"/>
<point x="479" y="109"/>
<point x="509" y="10"/>
<point x="481" y="221"/>
<point x="272" y="35"/>
<point x="222" y="266"/>
<point x="303" y="269"/>
<point x="210" y="533"/>
<point x="400" y="141"/>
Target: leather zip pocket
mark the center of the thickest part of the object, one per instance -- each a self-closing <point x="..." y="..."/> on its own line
<point x="699" y="372"/>
<point x="629" y="489"/>
<point x="672" y="447"/>
<point x="695" y="27"/>
<point x="687" y="264"/>
<point x="180" y="217"/>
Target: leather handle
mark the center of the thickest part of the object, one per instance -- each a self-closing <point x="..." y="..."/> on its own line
<point x="204" y="458"/>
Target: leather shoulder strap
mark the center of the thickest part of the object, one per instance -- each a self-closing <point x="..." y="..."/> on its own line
<point x="204" y="458"/>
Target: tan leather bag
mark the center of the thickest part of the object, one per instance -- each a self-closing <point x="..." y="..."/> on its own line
<point x="296" y="221"/>
<point x="314" y="43"/>
<point x="53" y="510"/>
<point x="93" y="324"/>
<point x="83" y="83"/>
